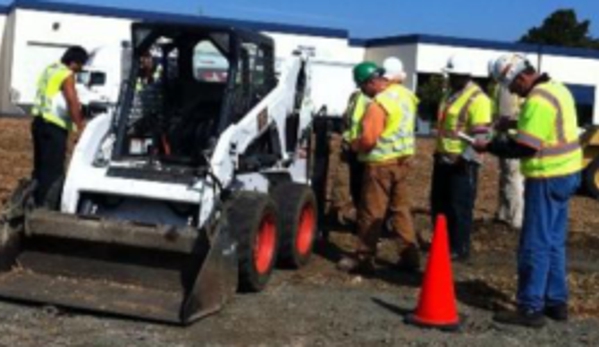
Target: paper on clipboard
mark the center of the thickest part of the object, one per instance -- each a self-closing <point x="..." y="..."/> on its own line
<point x="466" y="138"/>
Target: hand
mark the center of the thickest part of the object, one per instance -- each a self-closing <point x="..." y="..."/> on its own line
<point x="79" y="133"/>
<point x="480" y="146"/>
<point x="504" y="124"/>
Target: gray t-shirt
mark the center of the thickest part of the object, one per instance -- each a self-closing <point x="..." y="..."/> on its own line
<point x="508" y="104"/>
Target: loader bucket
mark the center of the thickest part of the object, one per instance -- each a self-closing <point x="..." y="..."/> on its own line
<point x="150" y="272"/>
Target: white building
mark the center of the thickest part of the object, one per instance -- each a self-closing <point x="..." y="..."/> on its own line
<point x="38" y="33"/>
<point x="34" y="34"/>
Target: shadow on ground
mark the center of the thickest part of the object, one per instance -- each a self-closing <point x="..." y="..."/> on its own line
<point x="477" y="293"/>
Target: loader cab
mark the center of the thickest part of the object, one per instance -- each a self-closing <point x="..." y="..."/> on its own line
<point x="202" y="79"/>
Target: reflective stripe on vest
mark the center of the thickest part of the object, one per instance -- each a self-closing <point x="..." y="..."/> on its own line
<point x="559" y="119"/>
<point x="560" y="153"/>
<point x="49" y="102"/>
<point x="397" y="139"/>
<point x="448" y="140"/>
<point x="463" y="118"/>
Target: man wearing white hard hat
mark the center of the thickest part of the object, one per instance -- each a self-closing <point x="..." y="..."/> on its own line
<point x="464" y="110"/>
<point x="510" y="202"/>
<point x="395" y="73"/>
<point x="551" y="161"/>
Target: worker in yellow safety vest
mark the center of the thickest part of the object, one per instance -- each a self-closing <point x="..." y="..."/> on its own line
<point x="147" y="113"/>
<point x="356" y="107"/>
<point x="551" y="160"/>
<point x="149" y="71"/>
<point x="385" y="144"/>
<point x="56" y="111"/>
<point x="464" y="112"/>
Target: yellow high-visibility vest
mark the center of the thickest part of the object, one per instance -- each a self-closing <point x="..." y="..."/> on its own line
<point x="397" y="139"/>
<point x="358" y="102"/>
<point x="140" y="84"/>
<point x="548" y="123"/>
<point x="468" y="112"/>
<point x="49" y="102"/>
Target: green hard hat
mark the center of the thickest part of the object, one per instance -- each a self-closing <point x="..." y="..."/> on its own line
<point x="365" y="71"/>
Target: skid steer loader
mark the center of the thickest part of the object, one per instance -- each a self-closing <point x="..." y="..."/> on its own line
<point x="589" y="141"/>
<point x="189" y="189"/>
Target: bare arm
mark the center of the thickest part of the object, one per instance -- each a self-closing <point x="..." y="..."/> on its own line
<point x="70" y="95"/>
<point x="373" y="125"/>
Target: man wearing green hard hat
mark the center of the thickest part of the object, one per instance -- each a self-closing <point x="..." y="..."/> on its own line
<point x="385" y="144"/>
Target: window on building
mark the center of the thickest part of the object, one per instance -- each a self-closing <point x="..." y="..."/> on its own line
<point x="209" y="64"/>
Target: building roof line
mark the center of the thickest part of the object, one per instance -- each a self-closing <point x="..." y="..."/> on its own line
<point x="482" y="44"/>
<point x="105" y="11"/>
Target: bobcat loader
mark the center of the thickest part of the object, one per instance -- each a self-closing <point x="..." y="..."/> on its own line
<point x="190" y="188"/>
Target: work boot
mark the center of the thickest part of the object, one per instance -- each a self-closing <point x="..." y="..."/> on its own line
<point x="353" y="265"/>
<point x="525" y="318"/>
<point x="558" y="313"/>
<point x="409" y="260"/>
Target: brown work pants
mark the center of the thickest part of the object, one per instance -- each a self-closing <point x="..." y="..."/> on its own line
<point x="384" y="193"/>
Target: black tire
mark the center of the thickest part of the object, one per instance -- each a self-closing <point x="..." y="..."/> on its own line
<point x="591" y="178"/>
<point x="251" y="214"/>
<point x="53" y="197"/>
<point x="299" y="223"/>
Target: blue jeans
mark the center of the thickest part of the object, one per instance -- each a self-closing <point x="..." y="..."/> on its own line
<point x="542" y="252"/>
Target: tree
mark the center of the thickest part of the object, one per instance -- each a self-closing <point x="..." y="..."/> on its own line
<point x="562" y="28"/>
<point x="430" y="92"/>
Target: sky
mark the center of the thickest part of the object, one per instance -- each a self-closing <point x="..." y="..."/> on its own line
<point x="504" y="20"/>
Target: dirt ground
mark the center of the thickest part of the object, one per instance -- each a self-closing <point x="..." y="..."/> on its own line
<point x="318" y="306"/>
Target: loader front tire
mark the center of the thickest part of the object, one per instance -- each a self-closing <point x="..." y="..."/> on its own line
<point x="299" y="223"/>
<point x="591" y="178"/>
<point x="253" y="220"/>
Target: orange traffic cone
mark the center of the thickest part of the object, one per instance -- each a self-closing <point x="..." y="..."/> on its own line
<point x="437" y="304"/>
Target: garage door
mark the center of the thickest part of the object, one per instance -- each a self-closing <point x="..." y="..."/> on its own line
<point x="36" y="58"/>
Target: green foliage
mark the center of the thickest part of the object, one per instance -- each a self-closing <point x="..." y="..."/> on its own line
<point x="430" y="94"/>
<point x="562" y="28"/>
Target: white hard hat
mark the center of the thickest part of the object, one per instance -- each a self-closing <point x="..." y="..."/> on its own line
<point x="507" y="67"/>
<point x="458" y="65"/>
<point x="394" y="69"/>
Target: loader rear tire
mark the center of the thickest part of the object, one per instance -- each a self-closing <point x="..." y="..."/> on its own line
<point x="591" y="178"/>
<point x="299" y="223"/>
<point x="253" y="220"/>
